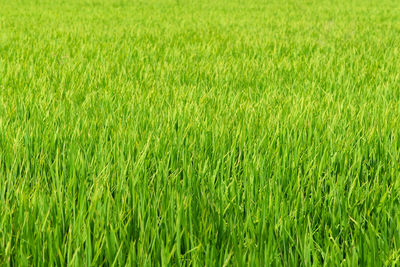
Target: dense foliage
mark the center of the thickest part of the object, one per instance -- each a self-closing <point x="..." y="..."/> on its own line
<point x="240" y="132"/>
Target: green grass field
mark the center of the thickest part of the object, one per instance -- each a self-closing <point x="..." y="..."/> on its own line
<point x="199" y="133"/>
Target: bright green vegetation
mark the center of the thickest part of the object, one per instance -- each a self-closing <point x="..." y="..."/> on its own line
<point x="201" y="133"/>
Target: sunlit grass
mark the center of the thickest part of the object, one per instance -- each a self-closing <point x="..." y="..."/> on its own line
<point x="202" y="133"/>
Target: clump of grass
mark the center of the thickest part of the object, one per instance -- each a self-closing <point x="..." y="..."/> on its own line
<point x="205" y="133"/>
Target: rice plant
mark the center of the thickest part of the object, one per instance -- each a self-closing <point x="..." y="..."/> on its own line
<point x="199" y="133"/>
